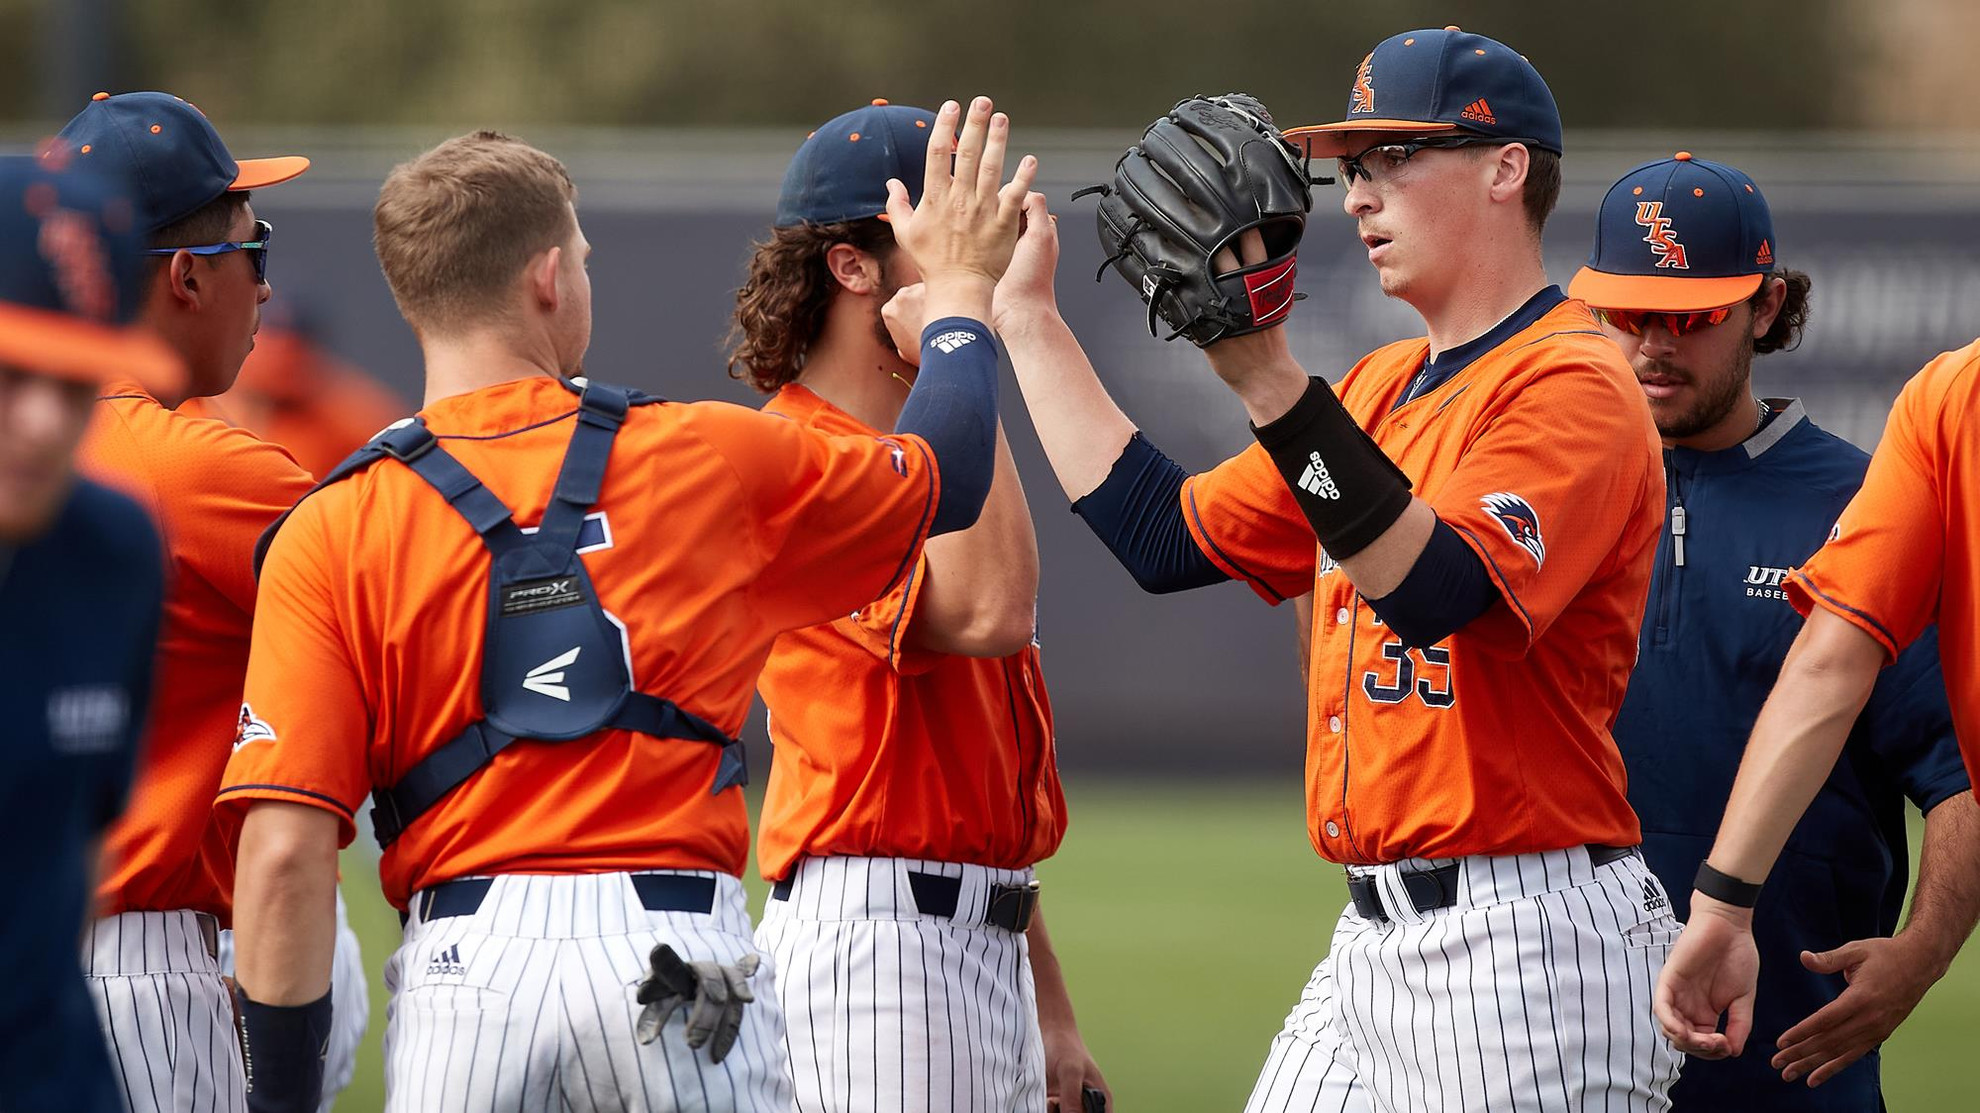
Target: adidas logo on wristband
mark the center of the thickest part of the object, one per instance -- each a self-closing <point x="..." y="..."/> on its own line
<point x="950" y="341"/>
<point x="1315" y="480"/>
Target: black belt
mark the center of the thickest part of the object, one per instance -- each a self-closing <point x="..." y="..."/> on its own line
<point x="658" y="892"/>
<point x="1432" y="889"/>
<point x="1011" y="906"/>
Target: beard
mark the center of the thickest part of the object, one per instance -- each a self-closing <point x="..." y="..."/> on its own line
<point x="889" y="286"/>
<point x="1711" y="402"/>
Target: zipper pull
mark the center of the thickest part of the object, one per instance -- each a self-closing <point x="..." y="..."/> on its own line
<point x="1677" y="534"/>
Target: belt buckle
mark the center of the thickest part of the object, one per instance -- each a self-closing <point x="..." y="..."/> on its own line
<point x="1367" y="898"/>
<point x="1011" y="906"/>
<point x="209" y="933"/>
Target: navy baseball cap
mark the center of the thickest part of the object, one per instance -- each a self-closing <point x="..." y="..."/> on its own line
<point x="1678" y="235"/>
<point x="1426" y="82"/>
<point x="71" y="267"/>
<point x="168" y="152"/>
<point x="840" y="172"/>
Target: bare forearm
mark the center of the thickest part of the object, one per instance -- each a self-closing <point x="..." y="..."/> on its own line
<point x="1822" y="688"/>
<point x="285" y="903"/>
<point x="983" y="581"/>
<point x="1945" y="903"/>
<point x="1083" y="431"/>
<point x="1054" y="1000"/>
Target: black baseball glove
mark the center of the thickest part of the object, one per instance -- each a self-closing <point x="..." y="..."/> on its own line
<point x="1211" y="169"/>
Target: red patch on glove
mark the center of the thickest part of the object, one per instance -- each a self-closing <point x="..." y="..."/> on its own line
<point x="1271" y="291"/>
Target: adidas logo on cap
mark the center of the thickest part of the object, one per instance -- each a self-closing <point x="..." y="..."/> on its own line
<point x="1480" y="111"/>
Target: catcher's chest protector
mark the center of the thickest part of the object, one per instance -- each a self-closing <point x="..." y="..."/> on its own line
<point x="555" y="666"/>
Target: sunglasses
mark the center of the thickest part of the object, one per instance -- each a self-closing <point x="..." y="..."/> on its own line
<point x="257" y="249"/>
<point x="1378" y="164"/>
<point x="1677" y="324"/>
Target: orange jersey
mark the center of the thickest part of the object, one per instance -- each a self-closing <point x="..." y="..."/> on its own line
<point x="888" y="750"/>
<point x="719" y="528"/>
<point x="1542" y="455"/>
<point x="212" y="489"/>
<point x="1906" y="551"/>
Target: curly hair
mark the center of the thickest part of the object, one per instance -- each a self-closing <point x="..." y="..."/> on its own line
<point x="1785" y="334"/>
<point x="781" y="305"/>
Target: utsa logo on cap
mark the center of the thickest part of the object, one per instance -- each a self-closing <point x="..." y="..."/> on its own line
<point x="1362" y="100"/>
<point x="1678" y="235"/>
<point x="1663" y="242"/>
<point x="1521" y="522"/>
<point x="71" y="277"/>
<point x="1441" y="81"/>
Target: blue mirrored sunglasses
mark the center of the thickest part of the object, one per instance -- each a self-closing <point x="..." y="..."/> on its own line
<point x="256" y="248"/>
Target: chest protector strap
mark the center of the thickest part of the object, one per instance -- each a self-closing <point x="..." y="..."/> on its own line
<point x="555" y="667"/>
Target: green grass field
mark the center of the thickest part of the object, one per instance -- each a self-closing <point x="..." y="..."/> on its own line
<point x="1188" y="918"/>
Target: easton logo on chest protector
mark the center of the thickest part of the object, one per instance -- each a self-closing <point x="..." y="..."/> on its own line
<point x="555" y="666"/>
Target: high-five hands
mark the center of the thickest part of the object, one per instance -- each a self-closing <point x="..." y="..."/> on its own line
<point x="965" y="229"/>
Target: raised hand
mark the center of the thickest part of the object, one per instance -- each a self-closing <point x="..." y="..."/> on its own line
<point x="1026" y="287"/>
<point x="964" y="231"/>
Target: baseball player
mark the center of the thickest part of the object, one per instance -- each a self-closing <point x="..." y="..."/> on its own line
<point x="1753" y="488"/>
<point x="1906" y="552"/>
<point x="903" y="921"/>
<point x="1486" y="500"/>
<point x="544" y="714"/>
<point x="166" y="881"/>
<point x="81" y="586"/>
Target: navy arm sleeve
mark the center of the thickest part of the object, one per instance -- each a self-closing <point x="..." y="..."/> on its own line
<point x="1446" y="588"/>
<point x="1137" y="513"/>
<point x="953" y="406"/>
<point x="1911" y="727"/>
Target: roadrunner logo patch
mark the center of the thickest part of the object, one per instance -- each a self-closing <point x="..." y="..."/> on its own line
<point x="1521" y="522"/>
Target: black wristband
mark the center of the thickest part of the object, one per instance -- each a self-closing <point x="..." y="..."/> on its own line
<point x="1725" y="887"/>
<point x="1344" y="483"/>
<point x="282" y="1048"/>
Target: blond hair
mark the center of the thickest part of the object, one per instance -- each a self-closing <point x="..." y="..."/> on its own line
<point x="454" y="227"/>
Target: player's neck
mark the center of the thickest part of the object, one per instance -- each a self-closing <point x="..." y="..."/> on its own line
<point x="1491" y="287"/>
<point x="849" y="368"/>
<point x="467" y="363"/>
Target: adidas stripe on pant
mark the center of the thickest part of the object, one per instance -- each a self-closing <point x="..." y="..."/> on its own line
<point x="1531" y="993"/>
<point x="527" y="1004"/>
<point x="165" y="1012"/>
<point x="890" y="1009"/>
<point x="350" y="1005"/>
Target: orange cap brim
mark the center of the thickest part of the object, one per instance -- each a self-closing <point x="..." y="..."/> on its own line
<point x="258" y="172"/>
<point x="1333" y="140"/>
<point x="48" y="343"/>
<point x="1656" y="293"/>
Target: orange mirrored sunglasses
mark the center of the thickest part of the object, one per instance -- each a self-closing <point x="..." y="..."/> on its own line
<point x="1677" y="324"/>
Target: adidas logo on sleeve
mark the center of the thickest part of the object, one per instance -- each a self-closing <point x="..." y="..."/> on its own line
<point x="950" y="341"/>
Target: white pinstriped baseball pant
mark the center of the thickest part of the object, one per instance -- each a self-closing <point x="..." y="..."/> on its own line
<point x="892" y="1009"/>
<point x="527" y="1004"/>
<point x="1531" y="993"/>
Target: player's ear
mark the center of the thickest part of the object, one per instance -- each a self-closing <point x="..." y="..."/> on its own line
<point x="541" y="275"/>
<point x="1767" y="305"/>
<point x="177" y="280"/>
<point x="1509" y="166"/>
<point x="853" y="269"/>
